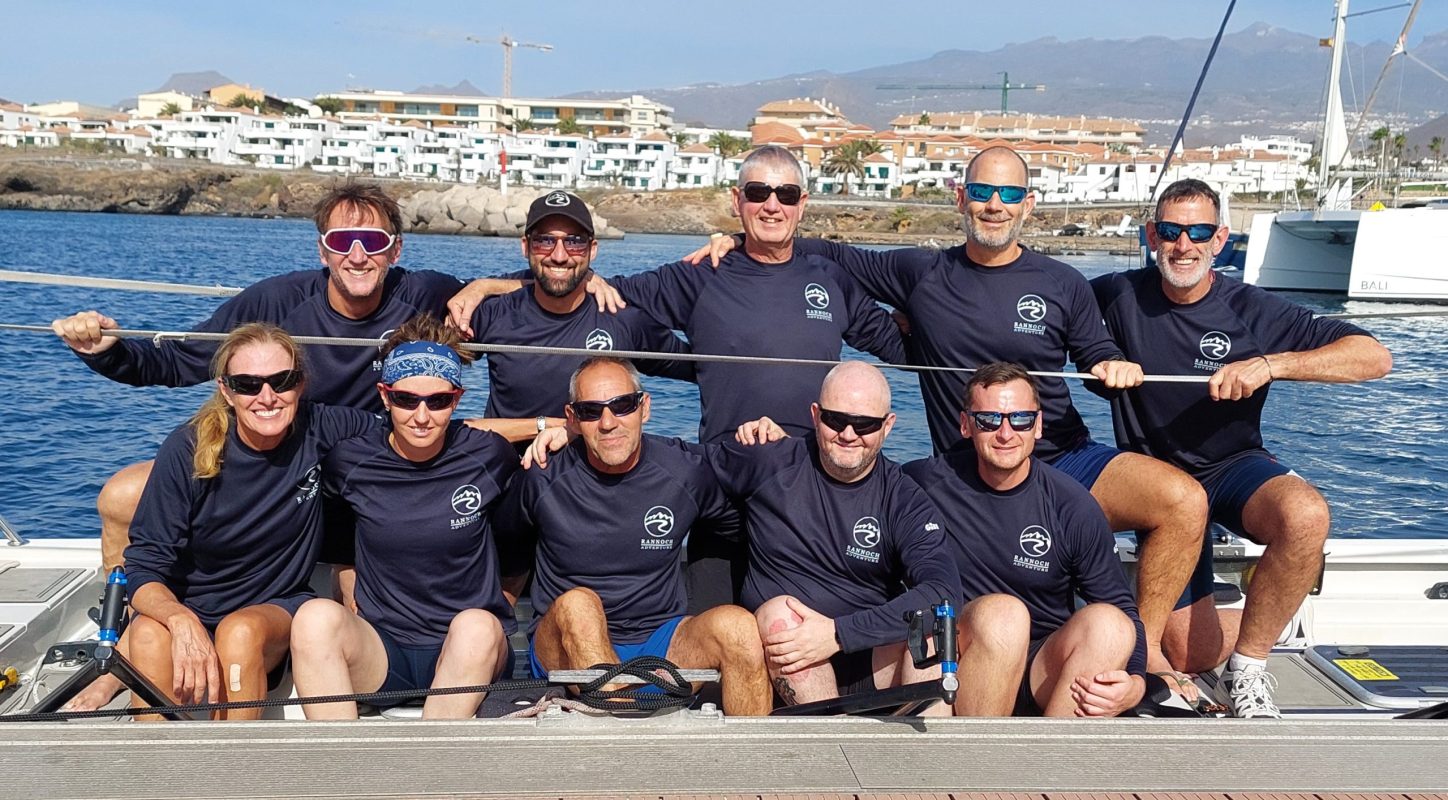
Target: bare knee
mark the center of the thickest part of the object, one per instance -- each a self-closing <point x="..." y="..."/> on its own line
<point x="1185" y="501"/>
<point x="319" y="622"/>
<point x="578" y="600"/>
<point x="998" y="622"/>
<point x="120" y="495"/>
<point x="146" y="635"/>
<point x="477" y="625"/>
<point x="240" y="637"/>
<point x="775" y="615"/>
<point x="735" y="632"/>
<point x="1108" y="626"/>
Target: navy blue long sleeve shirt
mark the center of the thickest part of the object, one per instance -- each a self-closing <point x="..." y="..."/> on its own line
<point x="426" y="548"/>
<point x="620" y="535"/>
<point x="802" y="308"/>
<point x="863" y="553"/>
<point x="1035" y="311"/>
<point x="297" y="303"/>
<point x="250" y="534"/>
<point x="1044" y="541"/>
<point x="522" y="386"/>
<point x="1179" y="422"/>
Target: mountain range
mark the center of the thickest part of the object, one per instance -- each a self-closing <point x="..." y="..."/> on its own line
<point x="1264" y="78"/>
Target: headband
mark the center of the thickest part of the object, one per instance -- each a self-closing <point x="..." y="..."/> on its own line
<point x="423" y="358"/>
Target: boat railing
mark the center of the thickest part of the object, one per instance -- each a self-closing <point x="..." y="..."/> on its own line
<point x="12" y="538"/>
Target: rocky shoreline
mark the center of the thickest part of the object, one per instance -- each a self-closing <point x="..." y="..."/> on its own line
<point x="153" y="186"/>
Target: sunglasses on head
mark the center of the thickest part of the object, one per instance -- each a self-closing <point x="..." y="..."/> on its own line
<point x="1200" y="232"/>
<point x="981" y="193"/>
<point x="542" y="244"/>
<point x="373" y="240"/>
<point x="621" y="406"/>
<point x="280" y="382"/>
<point x="991" y="420"/>
<point x="759" y="192"/>
<point x="409" y="401"/>
<point x="837" y="421"/>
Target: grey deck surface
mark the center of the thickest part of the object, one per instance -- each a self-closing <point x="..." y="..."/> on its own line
<point x="749" y="757"/>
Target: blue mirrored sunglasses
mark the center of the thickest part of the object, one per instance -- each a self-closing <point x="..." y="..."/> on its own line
<point x="1171" y="231"/>
<point x="981" y="192"/>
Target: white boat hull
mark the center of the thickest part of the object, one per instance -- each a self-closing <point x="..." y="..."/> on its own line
<point x="1393" y="254"/>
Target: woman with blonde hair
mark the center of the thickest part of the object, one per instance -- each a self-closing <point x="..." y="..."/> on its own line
<point x="227" y="532"/>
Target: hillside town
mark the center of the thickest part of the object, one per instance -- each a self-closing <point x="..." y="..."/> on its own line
<point x="634" y="143"/>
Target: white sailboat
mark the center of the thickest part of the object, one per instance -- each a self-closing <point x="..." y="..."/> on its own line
<point x="1384" y="254"/>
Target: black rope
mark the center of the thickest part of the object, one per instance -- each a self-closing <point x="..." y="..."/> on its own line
<point x="677" y="692"/>
<point x="375" y="698"/>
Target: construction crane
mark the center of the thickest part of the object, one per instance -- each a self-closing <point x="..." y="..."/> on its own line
<point x="1005" y="87"/>
<point x="508" y="46"/>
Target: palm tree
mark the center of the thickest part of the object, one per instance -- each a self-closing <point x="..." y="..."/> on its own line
<point x="568" y="126"/>
<point x="848" y="159"/>
<point x="170" y="110"/>
<point x="329" y="105"/>
<point x="1435" y="146"/>
<point x="727" y="145"/>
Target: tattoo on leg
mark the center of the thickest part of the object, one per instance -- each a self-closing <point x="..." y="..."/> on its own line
<point x="786" y="691"/>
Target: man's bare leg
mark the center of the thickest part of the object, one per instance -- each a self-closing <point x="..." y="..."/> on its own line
<point x="116" y="504"/>
<point x="993" y="634"/>
<point x="1169" y="509"/>
<point x="574" y="633"/>
<point x="1292" y="520"/>
<point x="808" y="685"/>
<point x="726" y="638"/>
<point x="894" y="665"/>
<point x="1200" y="637"/>
<point x="1096" y="639"/>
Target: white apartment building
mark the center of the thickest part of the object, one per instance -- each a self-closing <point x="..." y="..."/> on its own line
<point x="208" y="134"/>
<point x="630" y="163"/>
<point x="1290" y="146"/>
<point x="635" y="115"/>
<point x="1024" y="127"/>
<point x="283" y="142"/>
<point x="694" y="167"/>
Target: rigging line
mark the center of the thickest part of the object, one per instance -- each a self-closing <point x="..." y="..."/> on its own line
<point x="1398" y="49"/>
<point x="1191" y="103"/>
<point x="52" y="279"/>
<point x="1385" y="314"/>
<point x="159" y="336"/>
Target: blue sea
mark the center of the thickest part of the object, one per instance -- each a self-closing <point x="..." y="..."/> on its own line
<point x="1377" y="451"/>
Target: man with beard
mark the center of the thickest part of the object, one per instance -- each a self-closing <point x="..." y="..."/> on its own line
<point x="528" y="392"/>
<point x="1028" y="539"/>
<point x="993" y="300"/>
<point x="1183" y="318"/>
<point x="841" y="544"/>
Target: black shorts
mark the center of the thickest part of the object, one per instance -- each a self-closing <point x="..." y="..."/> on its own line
<point x="1026" y="705"/>
<point x="854" y="672"/>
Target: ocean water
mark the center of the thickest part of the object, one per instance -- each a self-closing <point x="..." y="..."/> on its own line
<point x="1377" y="451"/>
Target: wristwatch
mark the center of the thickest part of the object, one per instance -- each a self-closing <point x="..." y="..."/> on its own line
<point x="542" y="424"/>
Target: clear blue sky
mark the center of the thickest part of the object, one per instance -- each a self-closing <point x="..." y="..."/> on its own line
<point x="100" y="51"/>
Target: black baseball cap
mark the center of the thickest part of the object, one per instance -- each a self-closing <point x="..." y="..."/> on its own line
<point x="559" y="204"/>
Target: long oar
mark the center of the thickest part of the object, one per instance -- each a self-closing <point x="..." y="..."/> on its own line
<point x="51" y="279"/>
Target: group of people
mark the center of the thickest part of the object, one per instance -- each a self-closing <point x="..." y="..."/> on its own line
<point x="783" y="548"/>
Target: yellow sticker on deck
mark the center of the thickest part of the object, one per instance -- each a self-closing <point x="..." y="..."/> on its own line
<point x="1364" y="669"/>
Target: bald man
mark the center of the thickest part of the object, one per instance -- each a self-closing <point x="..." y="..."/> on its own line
<point x="834" y="530"/>
<point x="992" y="300"/>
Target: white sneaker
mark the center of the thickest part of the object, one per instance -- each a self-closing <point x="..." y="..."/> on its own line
<point x="1247" y="693"/>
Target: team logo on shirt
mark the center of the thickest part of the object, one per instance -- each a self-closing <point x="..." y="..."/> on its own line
<point x="1035" y="542"/>
<point x="867" y="534"/>
<point x="599" y="339"/>
<point x="1214" y="346"/>
<point x="658" y="523"/>
<point x="377" y="362"/>
<point x="1031" y="309"/>
<point x="818" y="300"/>
<point x="307" y="486"/>
<point x="467" y="503"/>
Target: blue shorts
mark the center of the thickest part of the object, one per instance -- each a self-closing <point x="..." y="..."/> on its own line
<point x="1086" y="462"/>
<point x="415" y="667"/>
<point x="656" y="645"/>
<point x="1229" y="486"/>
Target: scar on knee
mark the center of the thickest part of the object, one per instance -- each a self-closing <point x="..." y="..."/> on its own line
<point x="235" y="675"/>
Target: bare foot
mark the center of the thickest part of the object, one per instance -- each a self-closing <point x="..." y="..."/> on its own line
<point x="101" y="691"/>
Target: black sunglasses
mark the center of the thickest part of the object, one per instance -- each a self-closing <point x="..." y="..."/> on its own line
<point x="542" y="244"/>
<point x="251" y="384"/>
<point x="759" y="192"/>
<point x="621" y="406"/>
<point x="991" y="420"/>
<point x="409" y="401"/>
<point x="837" y="421"/>
<point x="1171" y="231"/>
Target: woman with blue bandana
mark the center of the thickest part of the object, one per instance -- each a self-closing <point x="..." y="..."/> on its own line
<point x="430" y="606"/>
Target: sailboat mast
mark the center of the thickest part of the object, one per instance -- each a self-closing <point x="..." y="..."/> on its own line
<point x="1333" y="114"/>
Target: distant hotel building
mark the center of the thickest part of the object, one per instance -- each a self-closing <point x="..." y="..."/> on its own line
<point x="1024" y="127"/>
<point x="635" y="115"/>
